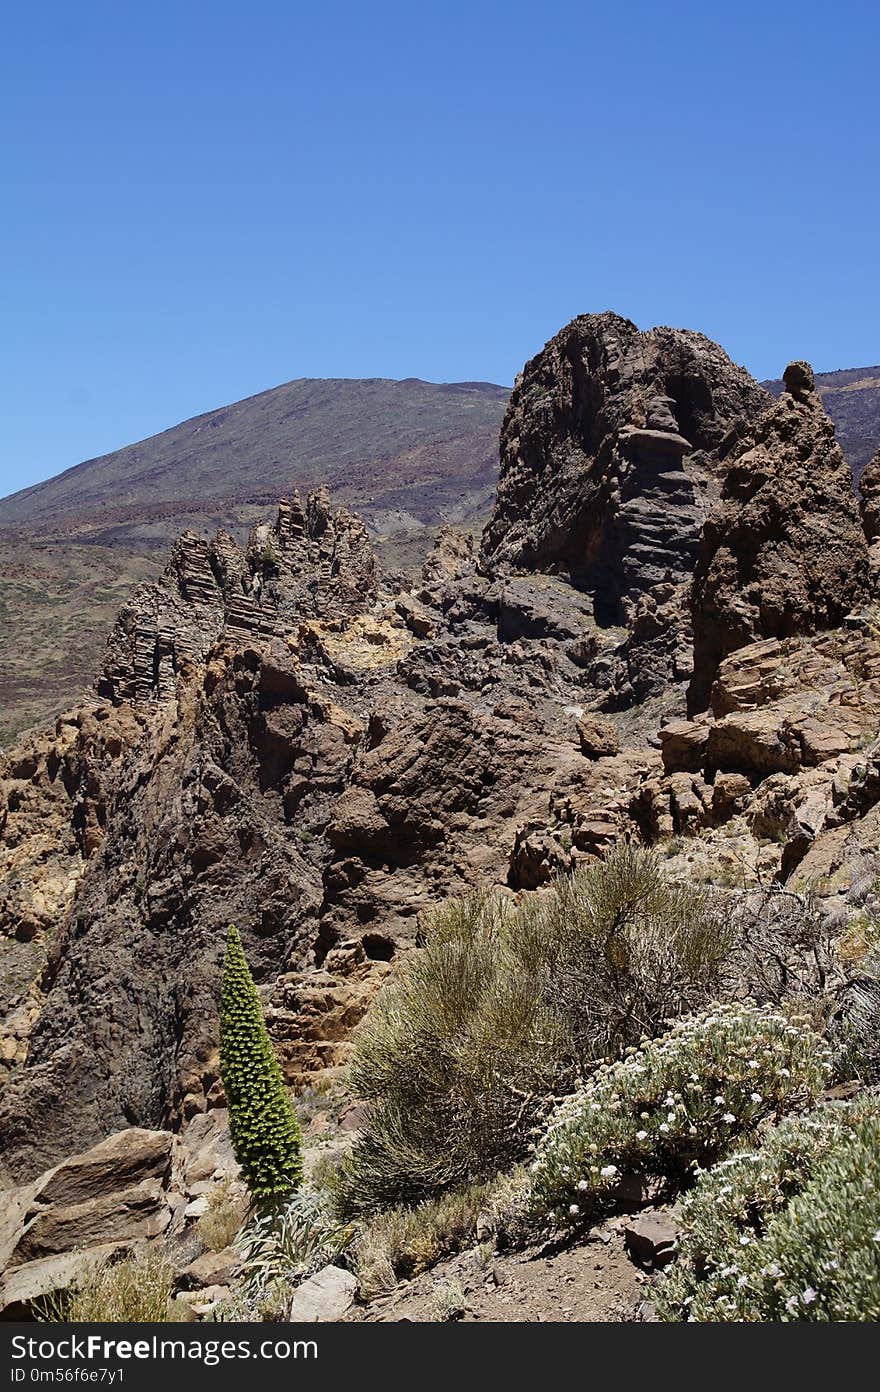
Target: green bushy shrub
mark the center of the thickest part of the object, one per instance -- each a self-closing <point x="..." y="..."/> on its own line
<point x="452" y="1056"/>
<point x="631" y="950"/>
<point x="504" y="1005"/>
<point x="262" y="1122"/>
<point x="672" y="1105"/>
<point x="790" y="1231"/>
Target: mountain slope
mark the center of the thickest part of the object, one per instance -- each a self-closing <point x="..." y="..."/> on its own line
<point x="407" y="455"/>
<point x="411" y="446"/>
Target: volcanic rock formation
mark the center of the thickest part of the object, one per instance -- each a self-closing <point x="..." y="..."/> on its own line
<point x="283" y="738"/>
<point x="611" y="452"/>
<point x="784" y="552"/>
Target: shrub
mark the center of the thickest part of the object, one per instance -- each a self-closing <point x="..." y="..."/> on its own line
<point x="283" y="1245"/>
<point x="671" y="1106"/>
<point x="135" y="1290"/>
<point x="503" y="1005"/>
<point x="788" y="1232"/>
<point x="452" y="1057"/>
<point x="783" y="942"/>
<point x="262" y="1122"/>
<point x="632" y="950"/>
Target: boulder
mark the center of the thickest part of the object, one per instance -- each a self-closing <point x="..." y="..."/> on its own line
<point x="140" y="1212"/>
<point x="651" y="1239"/>
<point x="753" y="742"/>
<point x="730" y="792"/>
<point x="683" y="745"/>
<point x="23" y="1287"/>
<point x="210" y="1269"/>
<point x="324" y="1297"/>
<point x="122" y="1160"/>
<point x="598" y="738"/>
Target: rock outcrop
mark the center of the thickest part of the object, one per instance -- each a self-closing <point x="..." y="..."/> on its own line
<point x="784" y="552"/>
<point x="611" y="449"/>
<point x="107" y="1203"/>
<point x="309" y="563"/>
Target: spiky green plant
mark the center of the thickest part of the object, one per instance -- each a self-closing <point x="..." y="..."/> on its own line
<point x="262" y="1122"/>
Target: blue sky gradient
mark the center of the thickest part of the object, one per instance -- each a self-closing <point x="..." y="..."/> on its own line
<point x="202" y="200"/>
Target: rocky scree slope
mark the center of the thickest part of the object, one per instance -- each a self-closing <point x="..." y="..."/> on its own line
<point x="282" y="737"/>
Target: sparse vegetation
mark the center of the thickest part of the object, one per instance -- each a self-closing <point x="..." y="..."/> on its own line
<point x="262" y="1122"/>
<point x="134" y="1290"/>
<point x="223" y="1217"/>
<point x="400" y="1242"/>
<point x="790" y="1231"/>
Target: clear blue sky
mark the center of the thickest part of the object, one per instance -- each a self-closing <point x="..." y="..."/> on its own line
<point x="201" y="200"/>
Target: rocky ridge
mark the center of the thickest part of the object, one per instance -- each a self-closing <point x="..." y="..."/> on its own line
<point x="284" y="738"/>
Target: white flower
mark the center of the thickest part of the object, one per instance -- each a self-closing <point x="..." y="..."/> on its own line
<point x="608" y="1171"/>
<point x="719" y="1101"/>
<point x="756" y="1097"/>
<point x="753" y="1063"/>
<point x="728" y="1271"/>
<point x="582" y="1184"/>
<point x="772" y="1270"/>
<point x="809" y="1295"/>
<point x="663" y="1126"/>
<point x="729" y="1118"/>
<point x="745" y="1240"/>
<point x="743" y="1282"/>
<point x="640" y="1135"/>
<point x="573" y="1210"/>
<point x="785" y="1072"/>
<point x="877" y="1235"/>
<point x="791" y="1304"/>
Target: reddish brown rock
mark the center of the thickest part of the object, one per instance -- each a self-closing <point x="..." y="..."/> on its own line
<point x="784" y="552"/>
<point x="598" y="738"/>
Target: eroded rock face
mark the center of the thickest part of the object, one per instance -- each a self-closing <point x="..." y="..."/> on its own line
<point x="784" y="552"/>
<point x="309" y="562"/>
<point x="109" y="1202"/>
<point x="611" y="445"/>
<point x="869" y="490"/>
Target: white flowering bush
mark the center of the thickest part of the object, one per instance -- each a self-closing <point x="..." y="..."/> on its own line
<point x="673" y="1105"/>
<point x="790" y="1231"/>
